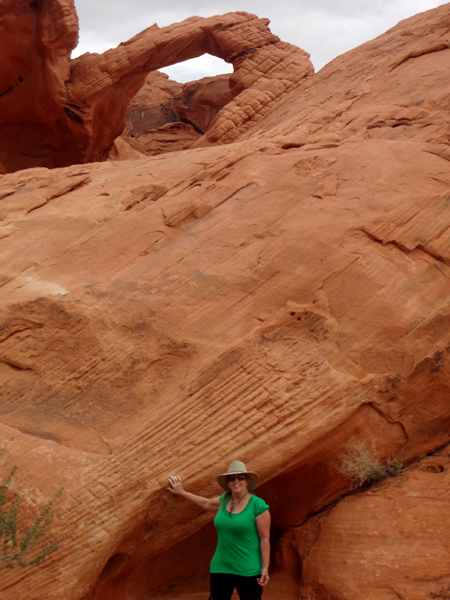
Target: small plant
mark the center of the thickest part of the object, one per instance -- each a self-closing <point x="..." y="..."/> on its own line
<point x="361" y="464"/>
<point x="14" y="551"/>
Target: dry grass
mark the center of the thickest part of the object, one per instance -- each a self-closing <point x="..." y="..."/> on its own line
<point x="362" y="465"/>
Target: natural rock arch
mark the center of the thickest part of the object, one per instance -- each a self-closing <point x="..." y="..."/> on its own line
<point x="57" y="111"/>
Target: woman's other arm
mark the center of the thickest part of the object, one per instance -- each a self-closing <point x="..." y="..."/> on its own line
<point x="176" y="487"/>
<point x="263" y="526"/>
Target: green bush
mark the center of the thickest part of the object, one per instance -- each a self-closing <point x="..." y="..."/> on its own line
<point x="362" y="464"/>
<point x="16" y="549"/>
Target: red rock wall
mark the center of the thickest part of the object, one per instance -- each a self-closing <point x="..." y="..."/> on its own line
<point x="263" y="300"/>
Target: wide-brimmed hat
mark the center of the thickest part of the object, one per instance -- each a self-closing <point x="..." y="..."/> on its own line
<point x="237" y="468"/>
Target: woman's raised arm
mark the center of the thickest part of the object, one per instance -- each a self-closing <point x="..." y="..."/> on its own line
<point x="176" y="487"/>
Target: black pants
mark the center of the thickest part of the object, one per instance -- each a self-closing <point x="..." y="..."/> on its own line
<point x="223" y="584"/>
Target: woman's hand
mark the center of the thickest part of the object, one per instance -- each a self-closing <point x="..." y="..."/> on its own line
<point x="264" y="579"/>
<point x="175" y="485"/>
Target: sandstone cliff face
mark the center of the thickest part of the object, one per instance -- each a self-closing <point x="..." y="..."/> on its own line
<point x="263" y="300"/>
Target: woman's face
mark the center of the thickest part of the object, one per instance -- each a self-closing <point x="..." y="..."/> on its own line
<point x="237" y="483"/>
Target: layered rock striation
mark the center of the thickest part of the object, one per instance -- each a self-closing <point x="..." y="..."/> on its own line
<point x="265" y="300"/>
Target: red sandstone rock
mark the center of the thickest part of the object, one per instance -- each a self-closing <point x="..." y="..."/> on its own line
<point x="202" y="100"/>
<point x="392" y="88"/>
<point x="35" y="45"/>
<point x="389" y="542"/>
<point x="165" y="116"/>
<point x="121" y="150"/>
<point x="172" y="137"/>
<point x="266" y="299"/>
<point x="57" y="112"/>
<point x="152" y="106"/>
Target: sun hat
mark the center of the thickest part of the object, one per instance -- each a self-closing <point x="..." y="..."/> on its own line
<point x="237" y="468"/>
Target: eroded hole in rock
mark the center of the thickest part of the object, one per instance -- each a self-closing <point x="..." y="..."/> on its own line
<point x="113" y="566"/>
<point x="433" y="469"/>
<point x="291" y="146"/>
<point x="72" y="115"/>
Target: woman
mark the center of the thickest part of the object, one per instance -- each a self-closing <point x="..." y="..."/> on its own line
<point x="242" y="522"/>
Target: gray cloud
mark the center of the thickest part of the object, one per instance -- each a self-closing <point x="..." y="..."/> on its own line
<point x="324" y="28"/>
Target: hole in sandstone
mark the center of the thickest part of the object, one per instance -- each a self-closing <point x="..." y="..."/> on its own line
<point x="299" y="318"/>
<point x="72" y="115"/>
<point x="114" y="564"/>
<point x="292" y="314"/>
<point x="291" y="146"/>
<point x="433" y="469"/>
<point x="20" y="79"/>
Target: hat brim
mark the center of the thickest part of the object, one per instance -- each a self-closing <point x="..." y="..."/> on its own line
<point x="253" y="480"/>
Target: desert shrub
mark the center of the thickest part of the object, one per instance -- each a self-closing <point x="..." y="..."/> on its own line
<point x="361" y="464"/>
<point x="18" y="548"/>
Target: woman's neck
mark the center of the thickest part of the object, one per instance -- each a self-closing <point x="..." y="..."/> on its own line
<point x="238" y="494"/>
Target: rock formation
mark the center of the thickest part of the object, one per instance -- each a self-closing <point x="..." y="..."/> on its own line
<point x="57" y="112"/>
<point x="166" y="116"/>
<point x="264" y="300"/>
<point x="389" y="542"/>
<point x="36" y="41"/>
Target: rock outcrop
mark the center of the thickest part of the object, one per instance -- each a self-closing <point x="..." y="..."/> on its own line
<point x="264" y="300"/>
<point x="57" y="112"/>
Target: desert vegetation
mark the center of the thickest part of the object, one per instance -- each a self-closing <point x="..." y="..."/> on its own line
<point x="21" y="546"/>
<point x="362" y="465"/>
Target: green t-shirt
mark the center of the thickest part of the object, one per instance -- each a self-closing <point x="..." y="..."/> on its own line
<point x="238" y="548"/>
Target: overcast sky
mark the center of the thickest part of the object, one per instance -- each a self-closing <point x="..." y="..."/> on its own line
<point x="324" y="28"/>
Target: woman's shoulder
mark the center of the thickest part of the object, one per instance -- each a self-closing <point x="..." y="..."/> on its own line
<point x="259" y="504"/>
